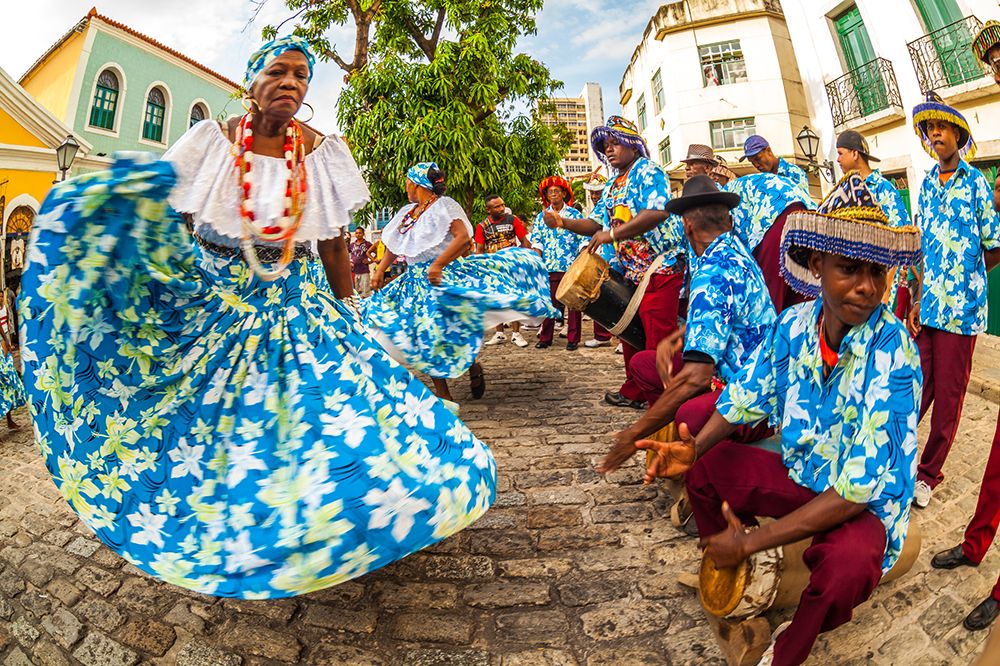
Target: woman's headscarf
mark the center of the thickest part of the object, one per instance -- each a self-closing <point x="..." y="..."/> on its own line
<point x="419" y="174"/>
<point x="266" y="54"/>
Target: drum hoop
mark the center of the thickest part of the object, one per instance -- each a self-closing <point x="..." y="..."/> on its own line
<point x="759" y="592"/>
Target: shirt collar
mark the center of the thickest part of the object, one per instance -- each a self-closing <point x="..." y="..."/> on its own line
<point x="962" y="167"/>
<point x="857" y="340"/>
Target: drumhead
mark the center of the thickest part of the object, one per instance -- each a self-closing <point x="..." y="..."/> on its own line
<point x="721" y="590"/>
<point x="582" y="281"/>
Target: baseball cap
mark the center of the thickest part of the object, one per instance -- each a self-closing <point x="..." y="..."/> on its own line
<point x="753" y="145"/>
<point x="851" y="140"/>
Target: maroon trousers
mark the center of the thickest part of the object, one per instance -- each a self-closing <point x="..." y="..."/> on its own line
<point x="575" y="318"/>
<point x="983" y="527"/>
<point x="768" y="256"/>
<point x="946" y="361"/>
<point x="845" y="564"/>
<point x="601" y="333"/>
<point x="658" y="312"/>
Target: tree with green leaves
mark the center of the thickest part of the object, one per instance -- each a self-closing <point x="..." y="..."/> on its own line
<point x="439" y="80"/>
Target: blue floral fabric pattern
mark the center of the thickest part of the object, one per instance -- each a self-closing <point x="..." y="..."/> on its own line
<point x="856" y="430"/>
<point x="646" y="187"/>
<point x="957" y="222"/>
<point x="232" y="436"/>
<point x="763" y="197"/>
<point x="795" y="174"/>
<point x="729" y="309"/>
<point x="559" y="246"/>
<point x="888" y="198"/>
<point x="438" y="330"/>
<point x="12" y="393"/>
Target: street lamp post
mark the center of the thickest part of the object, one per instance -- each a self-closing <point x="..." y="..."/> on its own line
<point x="809" y="144"/>
<point x="65" y="154"/>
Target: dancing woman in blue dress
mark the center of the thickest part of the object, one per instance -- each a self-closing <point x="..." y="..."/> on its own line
<point x="210" y="409"/>
<point x="434" y="315"/>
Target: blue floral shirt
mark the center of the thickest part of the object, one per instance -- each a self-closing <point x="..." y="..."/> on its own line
<point x="646" y="187"/>
<point x="888" y="198"/>
<point x="957" y="222"/>
<point x="856" y="430"/>
<point x="729" y="311"/>
<point x="559" y="246"/>
<point x="794" y="173"/>
<point x="763" y="197"/>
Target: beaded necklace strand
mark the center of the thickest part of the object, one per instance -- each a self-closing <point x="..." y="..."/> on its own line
<point x="284" y="228"/>
<point x="412" y="215"/>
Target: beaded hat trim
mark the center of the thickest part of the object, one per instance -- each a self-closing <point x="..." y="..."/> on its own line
<point x="624" y="131"/>
<point x="848" y="223"/>
<point x="988" y="37"/>
<point x="935" y="109"/>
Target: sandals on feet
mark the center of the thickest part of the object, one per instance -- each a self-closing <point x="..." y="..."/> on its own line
<point x="477" y="381"/>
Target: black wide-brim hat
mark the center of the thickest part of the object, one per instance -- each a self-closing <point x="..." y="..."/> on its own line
<point x="701" y="191"/>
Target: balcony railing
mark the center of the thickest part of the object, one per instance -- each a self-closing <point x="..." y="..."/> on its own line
<point x="944" y="57"/>
<point x="863" y="91"/>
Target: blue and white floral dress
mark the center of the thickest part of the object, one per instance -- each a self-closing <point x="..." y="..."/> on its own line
<point x="233" y="436"/>
<point x="12" y="393"/>
<point x="438" y="330"/>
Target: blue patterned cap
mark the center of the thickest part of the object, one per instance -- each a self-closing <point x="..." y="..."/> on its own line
<point x="848" y="223"/>
<point x="418" y="174"/>
<point x="266" y="54"/>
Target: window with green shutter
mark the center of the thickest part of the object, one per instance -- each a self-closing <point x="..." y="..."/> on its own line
<point x="665" y="157"/>
<point x="198" y="114"/>
<point x="730" y="134"/>
<point x="152" y="124"/>
<point x="659" y="99"/>
<point x="640" y="107"/>
<point x="105" y="104"/>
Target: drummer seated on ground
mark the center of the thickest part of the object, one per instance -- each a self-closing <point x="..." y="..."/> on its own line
<point x="841" y="378"/>
<point x="729" y="314"/>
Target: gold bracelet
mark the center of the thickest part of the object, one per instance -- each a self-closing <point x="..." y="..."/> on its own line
<point x="613" y="235"/>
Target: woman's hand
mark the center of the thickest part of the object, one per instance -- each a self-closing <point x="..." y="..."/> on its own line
<point x="913" y="319"/>
<point x="600" y="238"/>
<point x="671" y="458"/>
<point x="378" y="279"/>
<point x="435" y="273"/>
<point x="730" y="546"/>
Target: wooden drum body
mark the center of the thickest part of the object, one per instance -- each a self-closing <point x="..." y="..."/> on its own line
<point x="590" y="286"/>
<point x="775" y="579"/>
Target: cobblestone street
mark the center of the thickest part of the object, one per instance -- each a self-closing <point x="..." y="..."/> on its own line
<point x="567" y="568"/>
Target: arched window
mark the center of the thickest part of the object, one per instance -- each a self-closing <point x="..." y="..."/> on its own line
<point x="198" y="114"/>
<point x="152" y="124"/>
<point x="102" y="112"/>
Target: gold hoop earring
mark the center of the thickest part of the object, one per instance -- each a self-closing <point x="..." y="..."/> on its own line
<point x="248" y="103"/>
<point x="311" y="115"/>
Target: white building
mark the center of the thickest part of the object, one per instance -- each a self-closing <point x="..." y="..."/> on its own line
<point x="714" y="72"/>
<point x="579" y="114"/>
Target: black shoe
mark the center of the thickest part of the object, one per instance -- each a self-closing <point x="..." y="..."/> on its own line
<point x="542" y="345"/>
<point x="982" y="616"/>
<point x="572" y="346"/>
<point x="952" y="559"/>
<point x="478" y="381"/>
<point x="616" y="399"/>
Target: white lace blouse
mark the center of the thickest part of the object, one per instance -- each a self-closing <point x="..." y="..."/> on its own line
<point x="429" y="235"/>
<point x="207" y="186"/>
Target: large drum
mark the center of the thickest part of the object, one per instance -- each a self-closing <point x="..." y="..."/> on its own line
<point x="775" y="579"/>
<point x="590" y="286"/>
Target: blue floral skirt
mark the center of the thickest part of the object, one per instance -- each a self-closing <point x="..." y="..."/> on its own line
<point x="12" y="393"/>
<point x="438" y="330"/>
<point x="229" y="435"/>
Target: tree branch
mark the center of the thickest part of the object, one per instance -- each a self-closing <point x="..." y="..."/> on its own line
<point x="427" y="44"/>
<point x="334" y="56"/>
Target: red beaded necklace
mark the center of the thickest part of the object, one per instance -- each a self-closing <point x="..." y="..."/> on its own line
<point x="285" y="227"/>
<point x="412" y="215"/>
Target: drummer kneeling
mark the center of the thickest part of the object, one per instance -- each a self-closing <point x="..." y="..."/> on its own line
<point x="841" y="378"/>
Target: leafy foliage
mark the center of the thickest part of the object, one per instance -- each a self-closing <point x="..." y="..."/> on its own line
<point x="413" y="95"/>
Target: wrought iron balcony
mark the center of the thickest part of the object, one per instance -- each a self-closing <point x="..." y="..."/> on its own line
<point x="863" y="91"/>
<point x="944" y="57"/>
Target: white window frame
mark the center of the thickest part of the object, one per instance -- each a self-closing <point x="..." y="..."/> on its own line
<point x="168" y="105"/>
<point x="722" y="60"/>
<point x="120" y="104"/>
<point x="208" y="110"/>
<point x="747" y="129"/>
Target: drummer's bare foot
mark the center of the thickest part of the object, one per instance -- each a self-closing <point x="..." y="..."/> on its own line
<point x="10" y="422"/>
<point x="441" y="389"/>
<point x="616" y="399"/>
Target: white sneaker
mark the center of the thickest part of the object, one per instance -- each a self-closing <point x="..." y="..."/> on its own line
<point x="618" y="349"/>
<point x="518" y="340"/>
<point x="922" y="494"/>
<point x="595" y="343"/>
<point x="564" y="330"/>
<point x="498" y="339"/>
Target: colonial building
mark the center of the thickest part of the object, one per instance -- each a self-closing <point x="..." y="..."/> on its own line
<point x="579" y="115"/>
<point x="121" y="90"/>
<point x="715" y="72"/>
<point x="866" y="63"/>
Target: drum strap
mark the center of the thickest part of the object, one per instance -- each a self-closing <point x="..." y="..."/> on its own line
<point x="633" y="305"/>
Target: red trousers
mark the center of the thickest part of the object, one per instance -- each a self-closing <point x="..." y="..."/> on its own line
<point x="946" y="361"/>
<point x="601" y="333"/>
<point x="983" y="527"/>
<point x="845" y="564"/>
<point x="575" y="318"/>
<point x="658" y="312"/>
<point x="768" y="256"/>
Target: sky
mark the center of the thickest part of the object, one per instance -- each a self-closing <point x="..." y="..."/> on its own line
<point x="579" y="40"/>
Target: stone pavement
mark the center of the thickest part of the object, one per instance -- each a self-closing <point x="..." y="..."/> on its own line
<point x="567" y="568"/>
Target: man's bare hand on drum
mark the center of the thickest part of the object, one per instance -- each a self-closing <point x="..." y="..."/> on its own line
<point x="600" y="238"/>
<point x="665" y="353"/>
<point x="670" y="458"/>
<point x="730" y="546"/>
<point x="622" y="448"/>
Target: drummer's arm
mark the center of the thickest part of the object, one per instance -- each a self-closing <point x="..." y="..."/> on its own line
<point x="641" y="223"/>
<point x="581" y="226"/>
